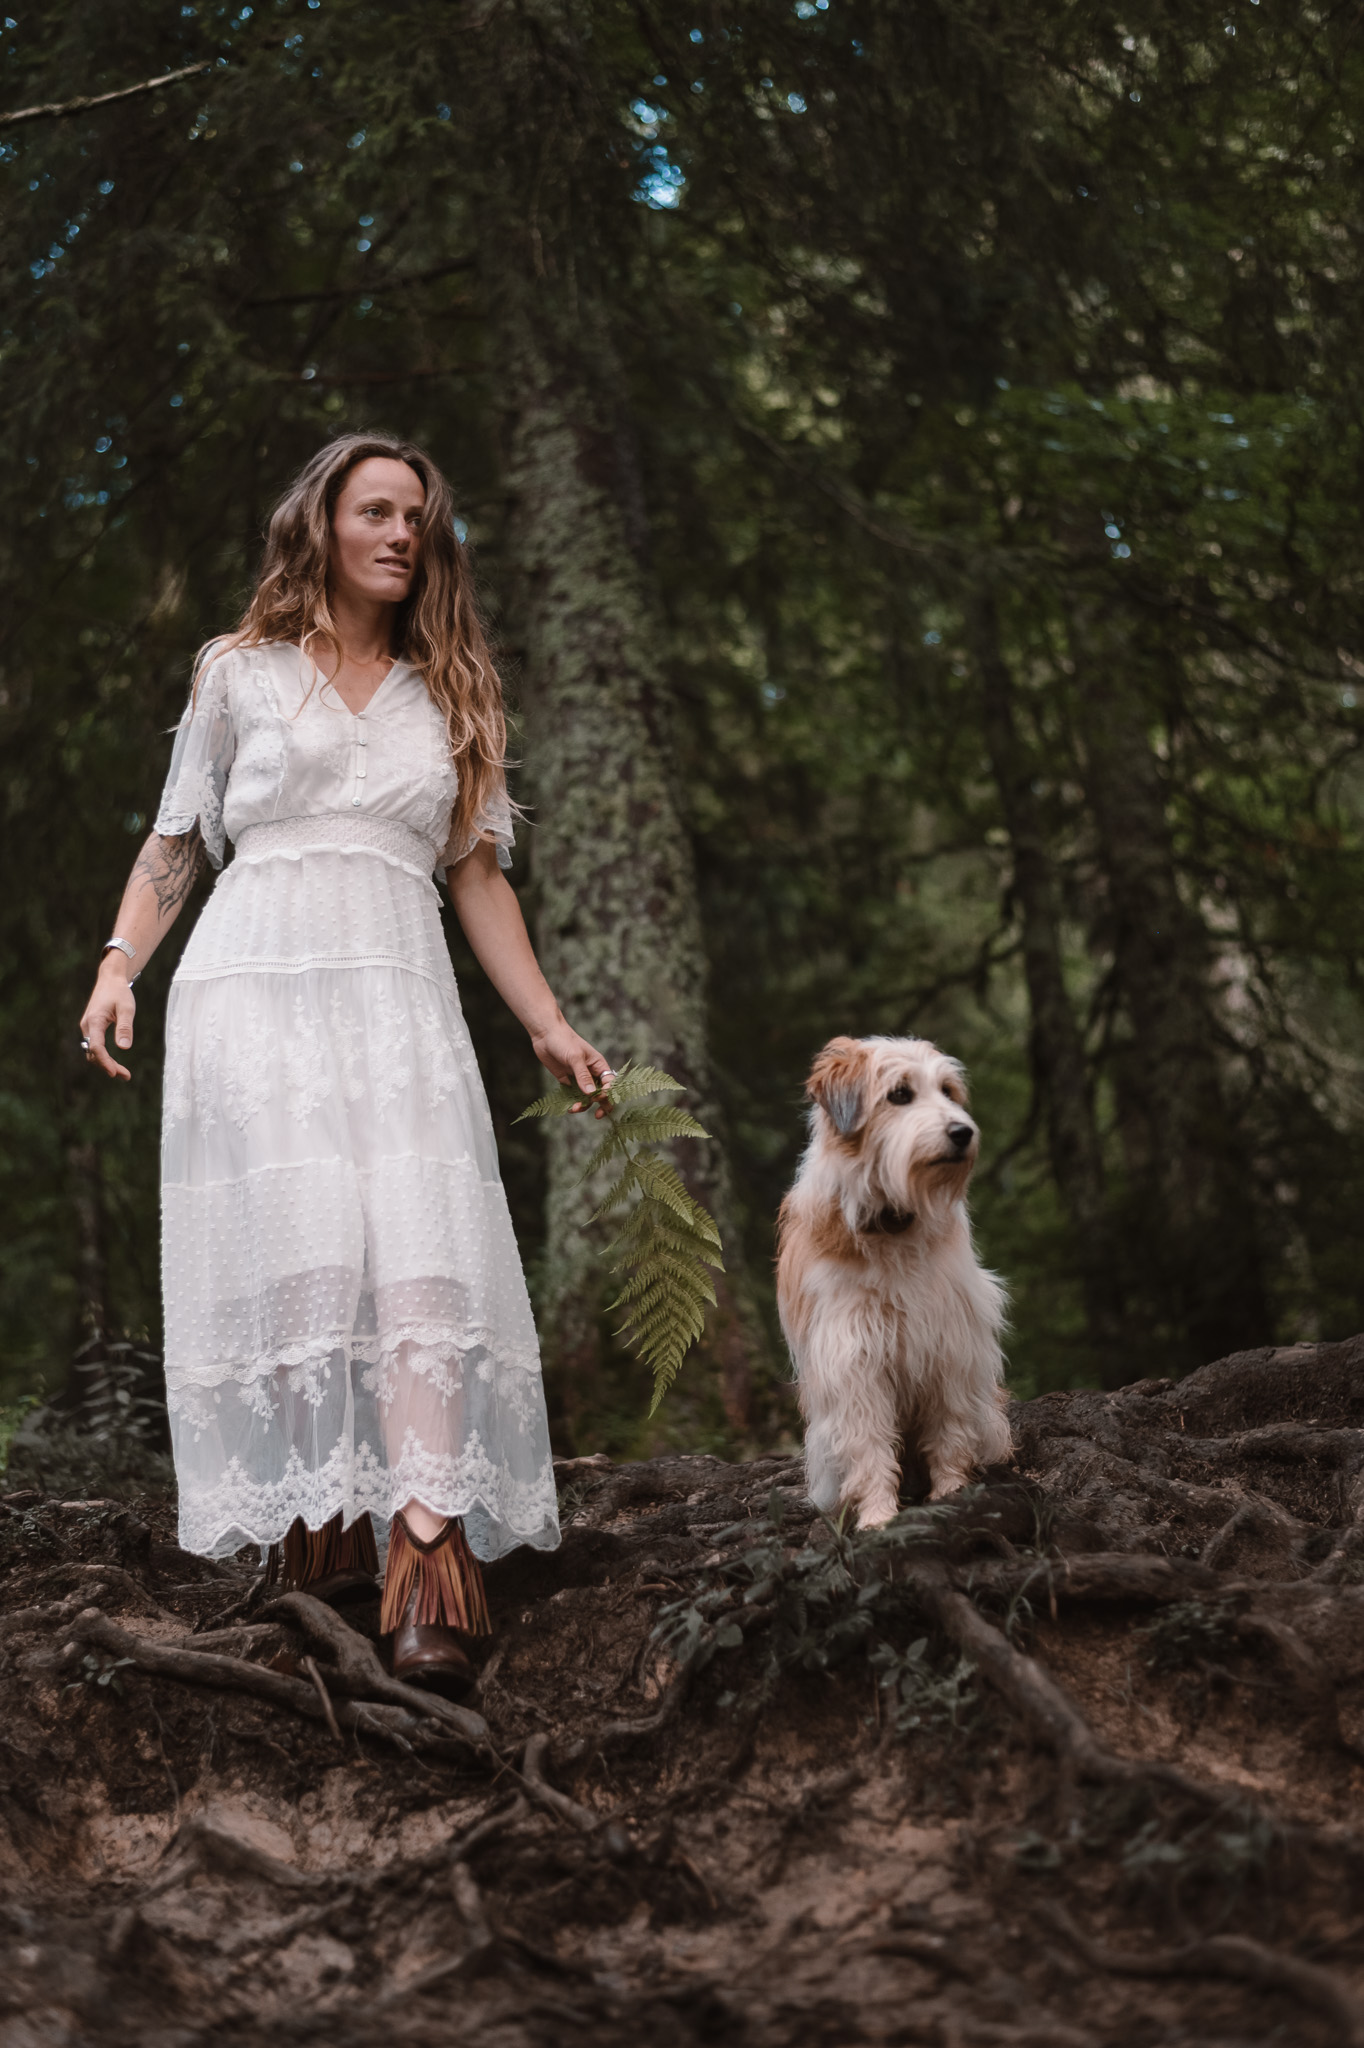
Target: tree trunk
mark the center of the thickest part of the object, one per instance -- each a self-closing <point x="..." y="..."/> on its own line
<point x="1060" y="1067"/>
<point x="1194" y="1208"/>
<point x="614" y="885"/>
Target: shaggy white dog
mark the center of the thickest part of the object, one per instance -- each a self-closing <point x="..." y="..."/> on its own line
<point x="893" y="1325"/>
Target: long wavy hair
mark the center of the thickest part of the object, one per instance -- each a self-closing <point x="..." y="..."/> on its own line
<point x="437" y="626"/>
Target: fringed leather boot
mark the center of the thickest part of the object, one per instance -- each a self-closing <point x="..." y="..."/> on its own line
<point x="430" y="1591"/>
<point x="333" y="1564"/>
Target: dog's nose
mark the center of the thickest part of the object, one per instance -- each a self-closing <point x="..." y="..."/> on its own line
<point x="960" y="1135"/>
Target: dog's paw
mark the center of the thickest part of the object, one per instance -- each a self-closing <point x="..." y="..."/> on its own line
<point x="948" y="1483"/>
<point x="875" y="1513"/>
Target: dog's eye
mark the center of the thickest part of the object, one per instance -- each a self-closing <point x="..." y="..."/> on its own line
<point x="903" y="1093"/>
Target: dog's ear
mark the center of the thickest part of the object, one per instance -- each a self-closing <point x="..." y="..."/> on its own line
<point x="838" y="1083"/>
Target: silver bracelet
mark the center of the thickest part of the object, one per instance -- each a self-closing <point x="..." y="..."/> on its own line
<point x="123" y="947"/>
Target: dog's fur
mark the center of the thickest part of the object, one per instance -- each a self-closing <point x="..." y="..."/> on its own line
<point x="893" y="1325"/>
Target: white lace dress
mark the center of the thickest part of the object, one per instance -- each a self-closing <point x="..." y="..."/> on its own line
<point x="347" y="1326"/>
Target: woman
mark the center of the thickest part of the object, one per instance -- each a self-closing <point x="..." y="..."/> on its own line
<point x="347" y="1328"/>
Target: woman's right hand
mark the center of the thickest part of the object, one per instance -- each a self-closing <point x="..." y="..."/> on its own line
<point x="111" y="1008"/>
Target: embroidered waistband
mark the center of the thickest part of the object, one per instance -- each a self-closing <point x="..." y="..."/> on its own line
<point x="336" y="832"/>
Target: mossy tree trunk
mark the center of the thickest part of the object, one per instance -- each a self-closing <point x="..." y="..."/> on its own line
<point x="613" y="879"/>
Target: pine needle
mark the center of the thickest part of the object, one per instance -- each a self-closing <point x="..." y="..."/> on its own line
<point x="667" y="1240"/>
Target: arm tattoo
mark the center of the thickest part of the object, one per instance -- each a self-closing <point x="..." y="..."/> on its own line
<point x="171" y="865"/>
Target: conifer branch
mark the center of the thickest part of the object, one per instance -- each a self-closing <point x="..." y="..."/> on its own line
<point x="667" y="1240"/>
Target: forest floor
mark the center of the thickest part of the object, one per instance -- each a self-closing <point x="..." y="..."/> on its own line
<point x="1077" y="1759"/>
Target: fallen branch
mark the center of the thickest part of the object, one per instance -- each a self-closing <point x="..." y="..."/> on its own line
<point x="59" y="110"/>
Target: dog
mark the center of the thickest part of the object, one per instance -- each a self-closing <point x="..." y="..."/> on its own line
<point x="892" y="1324"/>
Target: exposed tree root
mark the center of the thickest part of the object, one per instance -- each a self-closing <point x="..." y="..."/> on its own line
<point x="1226" y="1955"/>
<point x="407" y="1730"/>
<point x="737" y="1776"/>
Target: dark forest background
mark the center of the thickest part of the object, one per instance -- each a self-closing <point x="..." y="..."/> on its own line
<point x="913" y="453"/>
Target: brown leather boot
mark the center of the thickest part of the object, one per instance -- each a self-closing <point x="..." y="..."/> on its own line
<point x="334" y="1564"/>
<point x="433" y="1592"/>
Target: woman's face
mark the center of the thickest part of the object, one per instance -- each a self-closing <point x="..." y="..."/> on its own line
<point x="376" y="531"/>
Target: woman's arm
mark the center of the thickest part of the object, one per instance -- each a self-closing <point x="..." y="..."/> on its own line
<point x="162" y="877"/>
<point x="486" y="907"/>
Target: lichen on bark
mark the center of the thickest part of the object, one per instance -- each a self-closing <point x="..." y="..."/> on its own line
<point x="613" y="881"/>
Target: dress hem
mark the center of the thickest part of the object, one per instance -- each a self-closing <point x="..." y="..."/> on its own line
<point x="236" y="1536"/>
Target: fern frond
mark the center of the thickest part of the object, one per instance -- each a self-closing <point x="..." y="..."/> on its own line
<point x="627" y="1086"/>
<point x="565" y="1097"/>
<point x="667" y="1240"/>
<point x="616" y="1193"/>
<point x="649" y="1227"/>
<point x="657" y="1177"/>
<point x="632" y="1082"/>
<point x="629" y="1127"/>
<point x="652" y="1176"/>
<point x="686" y="1277"/>
<point x="644" y="1291"/>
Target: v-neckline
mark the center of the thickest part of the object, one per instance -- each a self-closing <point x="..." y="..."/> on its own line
<point x="370" y="701"/>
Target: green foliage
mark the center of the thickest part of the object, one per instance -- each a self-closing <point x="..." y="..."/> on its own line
<point x="1212" y="1863"/>
<point x="12" y="1419"/>
<point x="917" y="1693"/>
<point x="812" y="1608"/>
<point x="100" y="1672"/>
<point x="667" y="1239"/>
<point x="105" y="1438"/>
<point x="1189" y="1632"/>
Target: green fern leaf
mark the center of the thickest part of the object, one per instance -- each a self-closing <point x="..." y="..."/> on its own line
<point x="661" y="1231"/>
<point x="640" y="1127"/>
<point x="682" y="1285"/>
<point x="628" y="1085"/>
<point x="559" y="1103"/>
<point x="667" y="1242"/>
<point x="632" y="1082"/>
<point x="617" y="1193"/>
<point x="688" y="1279"/>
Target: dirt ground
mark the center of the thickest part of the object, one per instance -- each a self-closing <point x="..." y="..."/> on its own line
<point x="1076" y="1760"/>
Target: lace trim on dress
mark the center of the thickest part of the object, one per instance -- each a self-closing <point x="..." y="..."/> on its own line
<point x="437" y="1352"/>
<point x="499" y="1511"/>
<point x="335" y="832"/>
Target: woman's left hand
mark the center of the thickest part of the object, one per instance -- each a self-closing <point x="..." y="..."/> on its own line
<point x="575" y="1063"/>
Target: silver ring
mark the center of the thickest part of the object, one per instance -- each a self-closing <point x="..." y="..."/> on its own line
<point x="85" y="1045"/>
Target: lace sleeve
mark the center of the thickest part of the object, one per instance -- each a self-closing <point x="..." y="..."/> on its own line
<point x="204" y="746"/>
<point x="494" y="822"/>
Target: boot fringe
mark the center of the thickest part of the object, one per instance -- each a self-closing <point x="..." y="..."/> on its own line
<point x="307" y="1555"/>
<point x="447" y="1578"/>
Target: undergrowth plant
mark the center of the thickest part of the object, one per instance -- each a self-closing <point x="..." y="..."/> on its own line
<point x="667" y="1240"/>
<point x="809" y="1608"/>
